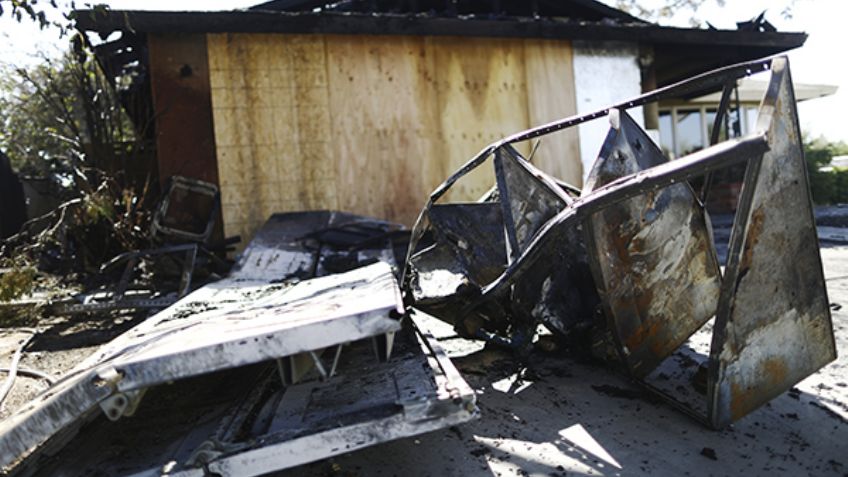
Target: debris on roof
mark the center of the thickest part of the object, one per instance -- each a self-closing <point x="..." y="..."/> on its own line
<point x="586" y="10"/>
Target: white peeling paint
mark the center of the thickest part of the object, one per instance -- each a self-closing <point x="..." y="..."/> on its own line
<point x="604" y="73"/>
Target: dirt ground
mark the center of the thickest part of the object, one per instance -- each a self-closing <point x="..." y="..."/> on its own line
<point x="552" y="415"/>
<point x="61" y="343"/>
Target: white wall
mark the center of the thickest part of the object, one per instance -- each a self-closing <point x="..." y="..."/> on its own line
<point x="604" y="73"/>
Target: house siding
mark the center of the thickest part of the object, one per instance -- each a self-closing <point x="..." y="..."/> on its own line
<point x="604" y="73"/>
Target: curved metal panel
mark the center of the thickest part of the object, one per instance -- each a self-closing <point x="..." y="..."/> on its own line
<point x="653" y="259"/>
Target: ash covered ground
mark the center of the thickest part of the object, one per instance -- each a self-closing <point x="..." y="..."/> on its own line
<point x="548" y="414"/>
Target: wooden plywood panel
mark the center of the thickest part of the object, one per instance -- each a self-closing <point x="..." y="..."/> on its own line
<point x="386" y="135"/>
<point x="368" y="124"/>
<point x="269" y="95"/>
<point x="311" y="118"/>
<point x="550" y="94"/>
<point x="482" y="97"/>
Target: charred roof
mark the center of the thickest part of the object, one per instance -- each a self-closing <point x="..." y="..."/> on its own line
<point x="588" y="10"/>
<point x="677" y="53"/>
<point x="561" y="19"/>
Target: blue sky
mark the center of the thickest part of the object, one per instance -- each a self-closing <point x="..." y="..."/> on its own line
<point x="819" y="61"/>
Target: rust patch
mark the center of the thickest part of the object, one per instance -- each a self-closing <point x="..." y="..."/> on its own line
<point x="755" y="229"/>
<point x="643" y="301"/>
<point x="643" y="333"/>
<point x="775" y="370"/>
<point x="773" y="373"/>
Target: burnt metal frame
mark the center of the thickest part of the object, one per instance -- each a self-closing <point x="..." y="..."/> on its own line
<point x="693" y="165"/>
<point x="450" y="403"/>
<point x="750" y="149"/>
<point x="152" y="353"/>
<point x="177" y="183"/>
<point x="117" y="298"/>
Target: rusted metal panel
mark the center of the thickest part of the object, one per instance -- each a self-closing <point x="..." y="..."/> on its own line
<point x="653" y="258"/>
<point x="773" y="326"/>
<point x="550" y="281"/>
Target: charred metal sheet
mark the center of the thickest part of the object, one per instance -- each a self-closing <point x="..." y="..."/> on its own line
<point x="653" y="258"/>
<point x="462" y="248"/>
<point x="301" y="331"/>
<point x="316" y="243"/>
<point x="242" y="422"/>
<point x="529" y="198"/>
<point x="646" y="238"/>
<point x="465" y="251"/>
<point x="773" y="326"/>
<point x="474" y="235"/>
<point x="418" y="392"/>
<point x="557" y="291"/>
<point x="263" y="371"/>
<point x="221" y="326"/>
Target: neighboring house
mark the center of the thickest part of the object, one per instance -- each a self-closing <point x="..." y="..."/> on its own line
<point x="685" y="126"/>
<point x="12" y="200"/>
<point x="836" y="163"/>
<point x="366" y="106"/>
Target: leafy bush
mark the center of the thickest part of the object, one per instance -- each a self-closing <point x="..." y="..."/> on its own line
<point x="16" y="281"/>
<point x="827" y="186"/>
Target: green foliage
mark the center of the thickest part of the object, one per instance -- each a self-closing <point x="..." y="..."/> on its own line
<point x="61" y="114"/>
<point x="63" y="120"/>
<point x="45" y="13"/>
<point x="17" y="281"/>
<point x="827" y="186"/>
<point x="34" y="109"/>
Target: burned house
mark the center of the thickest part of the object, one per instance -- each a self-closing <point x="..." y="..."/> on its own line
<point x="321" y="341"/>
<point x="307" y="351"/>
<point x="366" y="106"/>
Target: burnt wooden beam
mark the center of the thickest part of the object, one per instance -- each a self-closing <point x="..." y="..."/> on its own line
<point x="182" y="101"/>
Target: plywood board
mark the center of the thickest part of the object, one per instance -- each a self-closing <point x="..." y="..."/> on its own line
<point x="385" y="124"/>
<point x="482" y="98"/>
<point x="372" y="124"/>
<point x="550" y="96"/>
<point x="269" y="99"/>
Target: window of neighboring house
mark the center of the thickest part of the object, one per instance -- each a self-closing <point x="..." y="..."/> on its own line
<point x="749" y="119"/>
<point x="686" y="129"/>
<point x="666" y="134"/>
<point x="710" y="116"/>
<point x="689" y="135"/>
